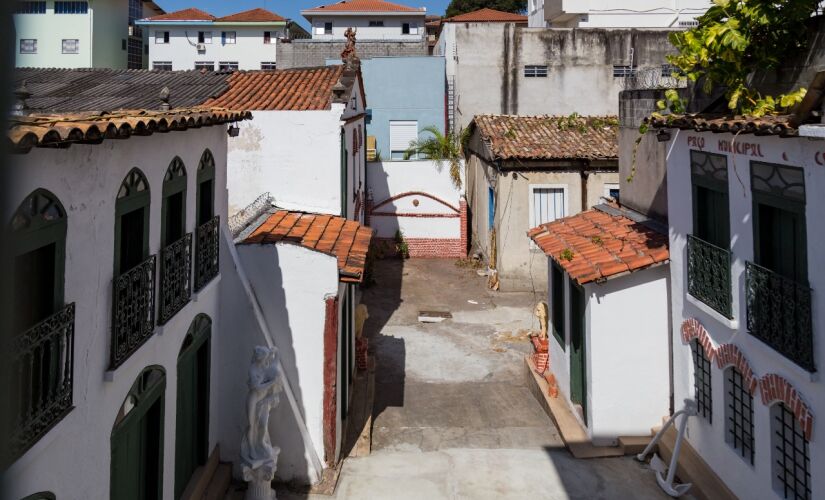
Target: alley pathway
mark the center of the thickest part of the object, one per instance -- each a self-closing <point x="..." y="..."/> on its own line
<point x="453" y="417"/>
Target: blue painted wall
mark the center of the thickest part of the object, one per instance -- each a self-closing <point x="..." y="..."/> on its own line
<point x="403" y="88"/>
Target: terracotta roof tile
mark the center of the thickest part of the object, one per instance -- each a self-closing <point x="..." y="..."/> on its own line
<point x="29" y="131"/>
<point x="288" y="89"/>
<point x="487" y="16"/>
<point x="251" y="16"/>
<point x="763" y="125"/>
<point x="190" y="14"/>
<point x="546" y="137"/>
<point x="346" y="240"/>
<point x="363" y="6"/>
<point x="601" y="245"/>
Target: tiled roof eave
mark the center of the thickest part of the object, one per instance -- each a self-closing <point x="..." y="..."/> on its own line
<point x="768" y="125"/>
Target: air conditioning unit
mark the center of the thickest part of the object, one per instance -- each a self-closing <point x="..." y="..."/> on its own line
<point x="201" y="47"/>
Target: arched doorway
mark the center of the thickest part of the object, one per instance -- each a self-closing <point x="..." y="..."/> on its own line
<point x="137" y="440"/>
<point x="192" y="426"/>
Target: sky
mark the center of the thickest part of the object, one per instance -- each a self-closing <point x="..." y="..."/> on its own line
<point x="285" y="8"/>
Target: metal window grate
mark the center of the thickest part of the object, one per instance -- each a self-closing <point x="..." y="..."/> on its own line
<point x="709" y="274"/>
<point x="71" y="46"/>
<point x="207" y="65"/>
<point x="621" y="71"/>
<point x="30" y="8"/>
<point x="701" y="380"/>
<point x="71" y="7"/>
<point x="28" y="46"/>
<point x="535" y="71"/>
<point x="133" y="306"/>
<point x="207" y="252"/>
<point x="162" y="65"/>
<point x="739" y="415"/>
<point x="791" y="463"/>
<point x="175" y="277"/>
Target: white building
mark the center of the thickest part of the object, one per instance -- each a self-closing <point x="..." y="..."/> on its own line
<point x="374" y="20"/>
<point x="307" y="147"/>
<point x="194" y="39"/>
<point x="81" y="34"/>
<point x="612" y="14"/>
<point x="607" y="292"/>
<point x="746" y="237"/>
<point x="116" y="286"/>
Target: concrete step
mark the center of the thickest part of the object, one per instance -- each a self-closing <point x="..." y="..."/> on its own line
<point x="196" y="487"/>
<point x="216" y="490"/>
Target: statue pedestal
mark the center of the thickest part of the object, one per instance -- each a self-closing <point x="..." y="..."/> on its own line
<point x="259" y="477"/>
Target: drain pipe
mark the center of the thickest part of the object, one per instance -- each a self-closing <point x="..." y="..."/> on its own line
<point x="309" y="451"/>
<point x="656" y="463"/>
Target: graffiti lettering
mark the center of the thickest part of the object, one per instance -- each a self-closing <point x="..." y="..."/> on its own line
<point x="741" y="148"/>
<point x="696" y="142"/>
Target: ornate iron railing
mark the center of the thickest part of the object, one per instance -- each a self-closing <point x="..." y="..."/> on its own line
<point x="175" y="277"/>
<point x="779" y="314"/>
<point x="709" y="274"/>
<point x="207" y="252"/>
<point x="42" y="366"/>
<point x="133" y="310"/>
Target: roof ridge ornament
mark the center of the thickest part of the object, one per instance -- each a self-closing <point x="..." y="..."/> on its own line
<point x="21" y="93"/>
<point x="164" y="99"/>
<point x="348" y="55"/>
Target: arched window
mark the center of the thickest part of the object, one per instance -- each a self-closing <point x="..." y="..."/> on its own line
<point x="132" y="222"/>
<point x="137" y="439"/>
<point x="39" y="238"/>
<point x="192" y="418"/>
<point x="791" y="462"/>
<point x="738" y="414"/>
<point x="206" y="188"/>
<point x="174" y="203"/>
<point x="208" y="248"/>
<point x="176" y="243"/>
<point x="701" y="380"/>
<point x="42" y="339"/>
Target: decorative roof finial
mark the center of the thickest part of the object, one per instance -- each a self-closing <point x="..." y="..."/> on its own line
<point x="21" y="93"/>
<point x="164" y="99"/>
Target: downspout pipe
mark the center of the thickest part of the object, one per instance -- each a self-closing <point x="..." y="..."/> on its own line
<point x="584" y="174"/>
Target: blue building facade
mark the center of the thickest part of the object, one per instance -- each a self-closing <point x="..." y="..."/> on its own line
<point x="407" y="92"/>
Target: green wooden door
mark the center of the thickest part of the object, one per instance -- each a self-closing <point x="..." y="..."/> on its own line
<point x="137" y="441"/>
<point x="578" y="364"/>
<point x="192" y="421"/>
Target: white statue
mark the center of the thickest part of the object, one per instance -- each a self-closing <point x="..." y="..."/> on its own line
<point x="258" y="457"/>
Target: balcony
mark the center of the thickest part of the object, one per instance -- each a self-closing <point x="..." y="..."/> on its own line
<point x="175" y="277"/>
<point x="42" y="366"/>
<point x="207" y="252"/>
<point x="133" y="309"/>
<point x="709" y="274"/>
<point x="779" y="314"/>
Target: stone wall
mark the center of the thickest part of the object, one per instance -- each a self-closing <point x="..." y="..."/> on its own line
<point x="308" y="52"/>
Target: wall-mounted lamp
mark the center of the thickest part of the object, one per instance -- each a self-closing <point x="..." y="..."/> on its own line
<point x="233" y="131"/>
<point x="662" y="135"/>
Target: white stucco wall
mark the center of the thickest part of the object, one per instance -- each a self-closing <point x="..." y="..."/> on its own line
<point x="248" y="51"/>
<point x="390" y="31"/>
<point x="290" y="284"/>
<point x="626" y="352"/>
<point x="73" y="459"/>
<point x="607" y="14"/>
<point x="295" y="155"/>
<point x="390" y="179"/>
<point x="745" y="480"/>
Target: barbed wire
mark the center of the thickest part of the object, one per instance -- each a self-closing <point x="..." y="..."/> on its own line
<point x="240" y="220"/>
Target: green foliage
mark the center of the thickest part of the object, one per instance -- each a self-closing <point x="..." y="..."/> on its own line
<point x="402" y="248"/>
<point x="442" y="148"/>
<point x="582" y="124"/>
<point x="457" y="7"/>
<point x="736" y="37"/>
<point x="566" y="254"/>
<point x="597" y="240"/>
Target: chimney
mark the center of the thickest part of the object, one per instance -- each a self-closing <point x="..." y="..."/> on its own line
<point x="164" y="99"/>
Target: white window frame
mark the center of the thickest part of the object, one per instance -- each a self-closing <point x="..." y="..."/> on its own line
<point x="207" y="37"/>
<point x="270" y="66"/>
<point x="161" y="37"/>
<point x="76" y="45"/>
<point x="227" y="40"/>
<point x="211" y="65"/>
<point x="162" y="63"/>
<point x="20" y="46"/>
<point x="402" y="122"/>
<point x="221" y="65"/>
<point x="531" y="188"/>
<point x="611" y="185"/>
<point x="375" y="23"/>
<point x="322" y="29"/>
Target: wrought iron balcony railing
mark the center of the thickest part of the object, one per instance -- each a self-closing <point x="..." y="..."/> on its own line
<point x="709" y="274"/>
<point x="207" y="252"/>
<point x="779" y="314"/>
<point x="133" y="310"/>
<point x="175" y="277"/>
<point x="42" y="366"/>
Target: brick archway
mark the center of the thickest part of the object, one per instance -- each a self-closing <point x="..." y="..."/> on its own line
<point x="776" y="389"/>
<point x="730" y="355"/>
<point x="692" y="329"/>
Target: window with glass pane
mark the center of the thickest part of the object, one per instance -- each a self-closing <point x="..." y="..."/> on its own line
<point x="162" y="65"/>
<point x="71" y="46"/>
<point x="228" y="37"/>
<point x="204" y="37"/>
<point x="535" y="71"/>
<point x="708" y="250"/>
<point x="228" y="66"/>
<point x="268" y="66"/>
<point x="327" y="28"/>
<point x="701" y="380"/>
<point x="28" y="46"/>
<point x="30" y="8"/>
<point x="738" y="414"/>
<point x="207" y="65"/>
<point x="71" y="7"/>
<point x="161" y="37"/>
<point x="267" y="37"/>
<point x="621" y="71"/>
<point x="791" y="464"/>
